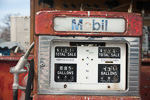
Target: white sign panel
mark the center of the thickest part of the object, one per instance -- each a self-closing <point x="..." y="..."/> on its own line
<point x="90" y="66"/>
<point x="92" y="24"/>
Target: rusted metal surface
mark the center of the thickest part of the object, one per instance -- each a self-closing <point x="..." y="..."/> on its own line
<point x="32" y="19"/>
<point x="13" y="58"/>
<point x="44" y="22"/>
<point x="35" y="88"/>
<point x="58" y="97"/>
<point x="6" y="78"/>
<point x="145" y="79"/>
<point x="144" y="60"/>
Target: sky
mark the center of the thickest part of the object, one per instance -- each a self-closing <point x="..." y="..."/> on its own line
<point x="14" y="7"/>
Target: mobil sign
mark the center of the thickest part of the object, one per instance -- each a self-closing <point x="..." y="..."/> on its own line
<point x="89" y="24"/>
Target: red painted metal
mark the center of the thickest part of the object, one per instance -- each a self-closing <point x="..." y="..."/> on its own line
<point x="13" y="58"/>
<point x="145" y="79"/>
<point x="44" y="22"/>
<point x="6" y="78"/>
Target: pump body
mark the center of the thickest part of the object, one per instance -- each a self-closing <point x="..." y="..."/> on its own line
<point x="87" y="54"/>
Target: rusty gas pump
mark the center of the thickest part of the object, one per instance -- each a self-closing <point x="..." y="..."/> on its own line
<point x="87" y="54"/>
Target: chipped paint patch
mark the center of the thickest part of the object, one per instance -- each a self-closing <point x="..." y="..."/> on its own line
<point x="88" y="13"/>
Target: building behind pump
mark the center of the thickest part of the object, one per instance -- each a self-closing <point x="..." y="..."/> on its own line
<point x="20" y="30"/>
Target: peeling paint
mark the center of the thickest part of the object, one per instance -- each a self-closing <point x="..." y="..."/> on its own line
<point x="133" y="23"/>
<point x="38" y="12"/>
<point x="88" y="13"/>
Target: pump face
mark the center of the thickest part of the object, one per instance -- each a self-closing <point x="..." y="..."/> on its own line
<point x="88" y="65"/>
<point x="81" y="65"/>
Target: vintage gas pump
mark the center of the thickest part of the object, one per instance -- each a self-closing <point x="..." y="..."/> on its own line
<point x="87" y="54"/>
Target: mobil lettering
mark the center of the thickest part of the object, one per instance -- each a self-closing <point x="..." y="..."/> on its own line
<point x="81" y="24"/>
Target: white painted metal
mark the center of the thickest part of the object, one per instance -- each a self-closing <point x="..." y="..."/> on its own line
<point x="92" y="82"/>
<point x="92" y="24"/>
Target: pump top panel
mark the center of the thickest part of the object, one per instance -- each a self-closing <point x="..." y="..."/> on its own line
<point x="88" y="23"/>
